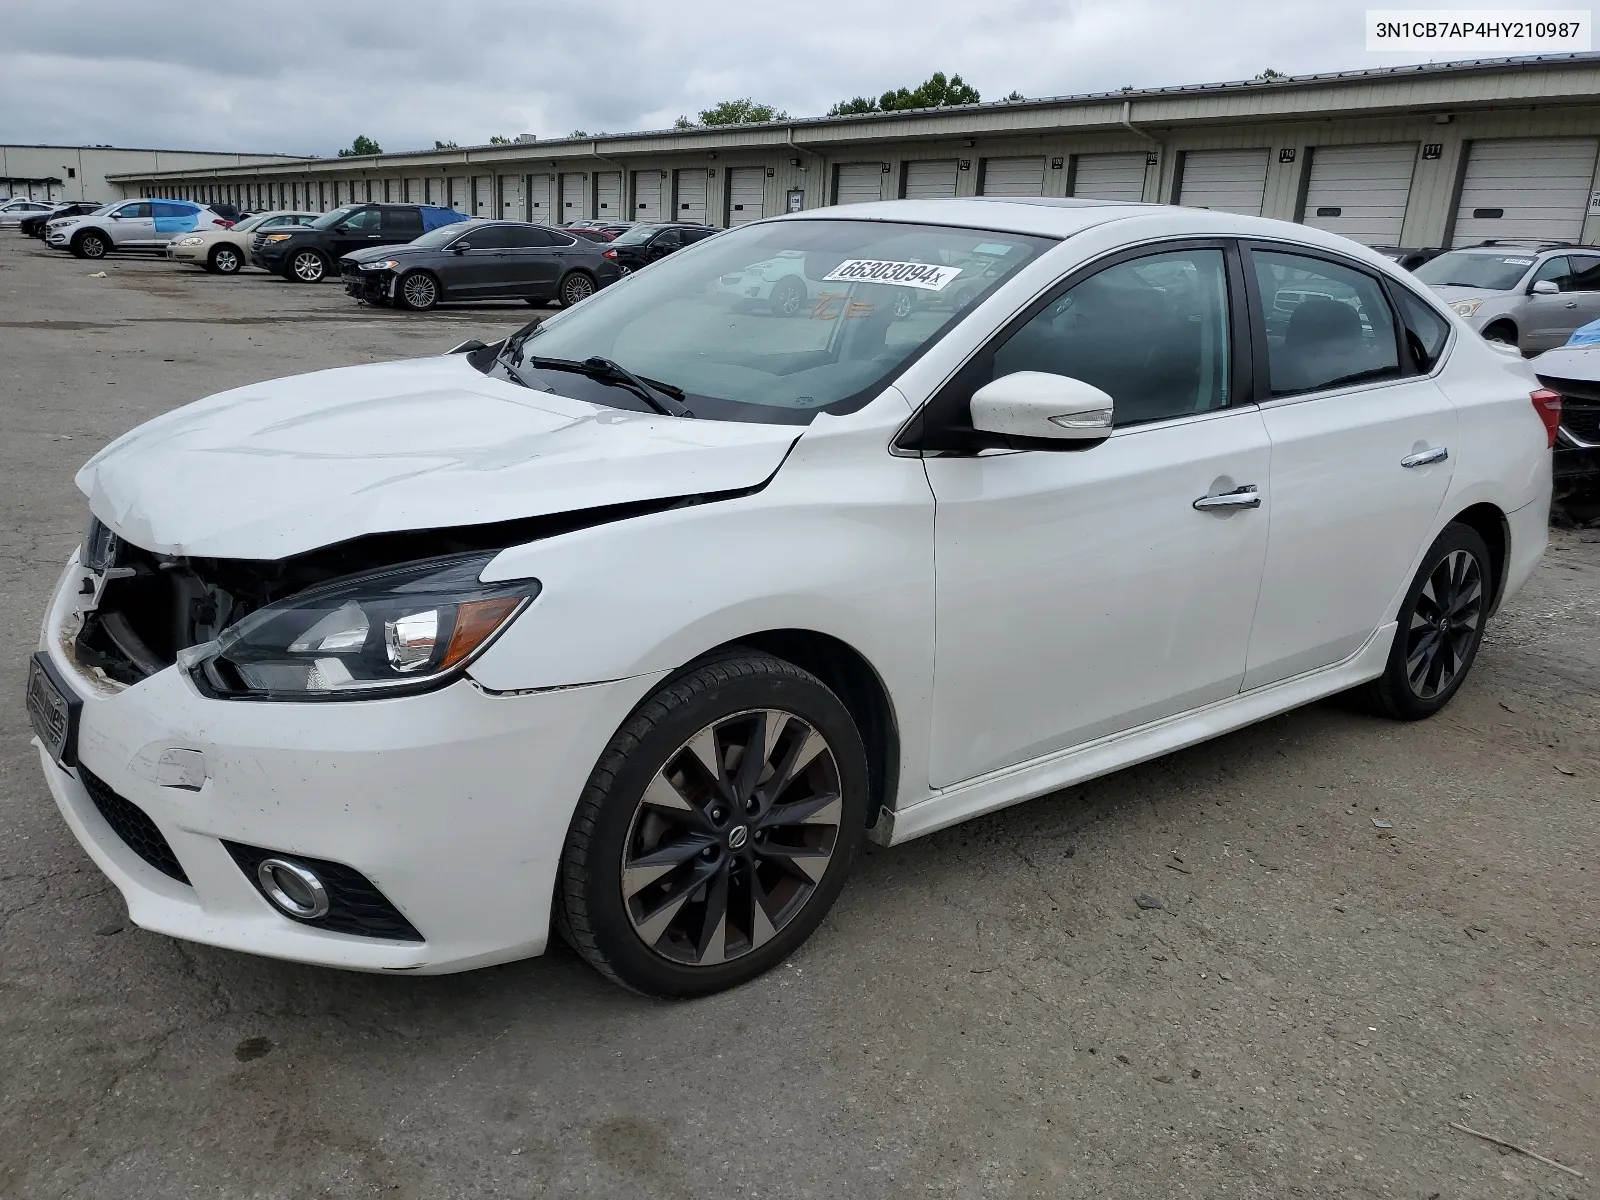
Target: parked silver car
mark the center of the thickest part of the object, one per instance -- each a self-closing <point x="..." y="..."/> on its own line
<point x="1530" y="297"/>
<point x="132" y="225"/>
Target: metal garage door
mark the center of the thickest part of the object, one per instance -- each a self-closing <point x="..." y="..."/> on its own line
<point x="510" y="187"/>
<point x="647" y="195"/>
<point x="573" y="206"/>
<point x="483" y="196"/>
<point x="747" y="187"/>
<point x="608" y="195"/>
<point x="1360" y="191"/>
<point x="931" y="180"/>
<point x="414" y="190"/>
<point x="689" y="193"/>
<point x="539" y="199"/>
<point x="1012" y="177"/>
<point x="1109" y="176"/>
<point x="1226" y="180"/>
<point x="460" y="196"/>
<point x="857" y="183"/>
<point x="1528" y="189"/>
<point x="437" y="188"/>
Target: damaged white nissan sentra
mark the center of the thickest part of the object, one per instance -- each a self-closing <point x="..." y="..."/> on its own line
<point x="636" y="623"/>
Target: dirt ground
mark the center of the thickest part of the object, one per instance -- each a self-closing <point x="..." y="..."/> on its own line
<point x="988" y="1012"/>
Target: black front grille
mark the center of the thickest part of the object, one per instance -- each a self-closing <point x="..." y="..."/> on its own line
<point x="128" y="822"/>
<point x="354" y="904"/>
<point x="1582" y="421"/>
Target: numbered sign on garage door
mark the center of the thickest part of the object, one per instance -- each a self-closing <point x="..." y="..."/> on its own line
<point x="1109" y="176"/>
<point x="1527" y="189"/>
<point x="1012" y="177"/>
<point x="511" y="198"/>
<point x="689" y="195"/>
<point x="608" y="195"/>
<point x="1361" y="191"/>
<point x="647" y="196"/>
<point x="747" y="188"/>
<point x="857" y="183"/>
<point x="573" y="207"/>
<point x="540" y="200"/>
<point x="1225" y="180"/>
<point x="934" y="180"/>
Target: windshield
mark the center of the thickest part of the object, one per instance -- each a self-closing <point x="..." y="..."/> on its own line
<point x="777" y="322"/>
<point x="249" y="223"/>
<point x="331" y="218"/>
<point x="436" y="239"/>
<point x="1493" y="272"/>
<point x="639" y="233"/>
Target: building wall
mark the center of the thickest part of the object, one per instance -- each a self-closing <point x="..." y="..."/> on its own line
<point x="79" y="172"/>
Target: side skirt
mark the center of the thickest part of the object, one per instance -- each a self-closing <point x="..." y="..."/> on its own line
<point x="1012" y="785"/>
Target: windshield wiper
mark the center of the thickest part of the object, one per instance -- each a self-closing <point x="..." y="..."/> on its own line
<point x="606" y="370"/>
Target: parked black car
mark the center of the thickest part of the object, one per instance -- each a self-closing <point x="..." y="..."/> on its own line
<point x="34" y="226"/>
<point x="307" y="253"/>
<point x="643" y="244"/>
<point x="479" y="260"/>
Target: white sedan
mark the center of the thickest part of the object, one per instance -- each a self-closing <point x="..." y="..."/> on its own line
<point x="635" y="624"/>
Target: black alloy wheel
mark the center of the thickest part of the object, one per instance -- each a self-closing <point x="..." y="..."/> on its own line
<point x="1441" y="625"/>
<point x="716" y="830"/>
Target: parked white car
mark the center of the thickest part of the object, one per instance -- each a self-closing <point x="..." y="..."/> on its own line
<point x="13" y="211"/>
<point x="394" y="667"/>
<point x="146" y="225"/>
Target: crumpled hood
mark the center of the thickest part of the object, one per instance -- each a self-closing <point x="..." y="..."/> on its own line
<point x="290" y="465"/>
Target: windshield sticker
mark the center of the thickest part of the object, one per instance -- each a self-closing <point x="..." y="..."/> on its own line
<point x="1518" y="262"/>
<point x="993" y="249"/>
<point x="926" y="276"/>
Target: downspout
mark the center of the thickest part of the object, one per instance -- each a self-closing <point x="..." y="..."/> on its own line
<point x="1160" y="146"/>
<point x="622" y="181"/>
<point x="788" y="140"/>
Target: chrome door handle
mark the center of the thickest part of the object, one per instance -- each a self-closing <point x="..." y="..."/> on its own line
<point x="1240" y="497"/>
<point x="1572" y="304"/>
<point x="1423" y="458"/>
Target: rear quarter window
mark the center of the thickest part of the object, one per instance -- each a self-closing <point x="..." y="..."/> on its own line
<point x="1426" y="331"/>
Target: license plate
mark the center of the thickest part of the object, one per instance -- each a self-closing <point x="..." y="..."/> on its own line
<point x="53" y="711"/>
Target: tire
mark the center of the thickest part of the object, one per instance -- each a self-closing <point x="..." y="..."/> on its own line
<point x="306" y="266"/>
<point x="789" y="297"/>
<point x="225" y="260"/>
<point x="90" y="244"/>
<point x="1429" y="661"/>
<point x="1503" y="332"/>
<point x="658" y="938"/>
<point x="575" y="287"/>
<point x="417" y="290"/>
<point x="902" y="304"/>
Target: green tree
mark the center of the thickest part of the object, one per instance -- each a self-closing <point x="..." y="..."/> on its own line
<point x="578" y="133"/>
<point x="1271" y="76"/>
<point x="363" y="145"/>
<point x="936" y="91"/>
<point x="445" y="146"/>
<point x="1015" y="96"/>
<point x="734" y="112"/>
<point x="497" y="140"/>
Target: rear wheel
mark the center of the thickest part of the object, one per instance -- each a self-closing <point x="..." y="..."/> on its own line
<point x="417" y="290"/>
<point x="90" y="245"/>
<point x="226" y="260"/>
<point x="307" y="266"/>
<point x="1440" y="628"/>
<point x="716" y="830"/>
<point x="576" y="286"/>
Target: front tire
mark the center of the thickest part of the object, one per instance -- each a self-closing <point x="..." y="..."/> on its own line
<point x="417" y="290"/>
<point x="90" y="245"/>
<point x="225" y="260"/>
<point x="789" y="297"/>
<point x="1440" y="628"/>
<point x="307" y="266"/>
<point x="716" y="830"/>
<point x="1503" y="332"/>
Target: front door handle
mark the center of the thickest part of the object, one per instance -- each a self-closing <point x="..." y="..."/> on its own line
<point x="1240" y="497"/>
<point x="1423" y="458"/>
<point x="1572" y="304"/>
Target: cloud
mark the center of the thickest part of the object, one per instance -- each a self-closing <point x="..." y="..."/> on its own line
<point x="167" y="73"/>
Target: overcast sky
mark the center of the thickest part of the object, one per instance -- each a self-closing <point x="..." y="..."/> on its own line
<point x="306" y="78"/>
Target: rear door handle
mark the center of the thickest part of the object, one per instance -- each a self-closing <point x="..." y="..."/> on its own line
<point x="1423" y="458"/>
<point x="1241" y="497"/>
<point x="1572" y="304"/>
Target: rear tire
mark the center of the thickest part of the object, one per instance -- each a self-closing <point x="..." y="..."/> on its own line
<point x="1440" y="628"/>
<point x="575" y="287"/>
<point x="750" y="860"/>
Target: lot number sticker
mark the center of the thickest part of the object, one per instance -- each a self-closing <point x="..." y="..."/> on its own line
<point x="927" y="276"/>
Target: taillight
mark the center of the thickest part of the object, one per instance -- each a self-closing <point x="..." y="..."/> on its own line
<point x="225" y="223"/>
<point x="613" y="254"/>
<point x="1548" y="405"/>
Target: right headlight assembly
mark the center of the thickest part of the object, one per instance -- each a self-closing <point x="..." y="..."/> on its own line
<point x="1466" y="307"/>
<point x="405" y="629"/>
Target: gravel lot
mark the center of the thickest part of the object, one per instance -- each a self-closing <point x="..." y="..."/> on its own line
<point x="987" y="1012"/>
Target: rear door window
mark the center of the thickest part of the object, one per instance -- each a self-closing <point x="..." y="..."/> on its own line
<point x="401" y="222"/>
<point x="1327" y="325"/>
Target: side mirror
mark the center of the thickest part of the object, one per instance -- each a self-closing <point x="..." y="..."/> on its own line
<point x="1033" y="409"/>
<point x="461" y="247"/>
<point x="1545" y="287"/>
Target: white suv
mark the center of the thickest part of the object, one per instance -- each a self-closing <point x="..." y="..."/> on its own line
<point x="132" y="225"/>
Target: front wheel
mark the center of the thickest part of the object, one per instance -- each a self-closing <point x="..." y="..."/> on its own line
<point x="1440" y="628"/>
<point x="716" y="830"/>
<point x="90" y="245"/>
<point x="417" y="290"/>
<point x="225" y="260"/>
<point x="789" y="297"/>
<point x="1503" y="332"/>
<point x="308" y="266"/>
<point x="575" y="288"/>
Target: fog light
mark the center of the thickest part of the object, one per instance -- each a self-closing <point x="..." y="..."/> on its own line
<point x="293" y="889"/>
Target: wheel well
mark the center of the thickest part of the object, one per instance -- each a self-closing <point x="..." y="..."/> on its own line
<point x="852" y="678"/>
<point x="1489" y="523"/>
<point x="1505" y="323"/>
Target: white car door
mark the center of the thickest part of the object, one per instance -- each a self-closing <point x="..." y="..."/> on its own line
<point x="1360" y="462"/>
<point x="1083" y="592"/>
<point x="131" y="224"/>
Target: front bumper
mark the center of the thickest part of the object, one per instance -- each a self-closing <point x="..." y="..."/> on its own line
<point x="188" y="254"/>
<point x="274" y="257"/>
<point x="374" y="287"/>
<point x="454" y="804"/>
